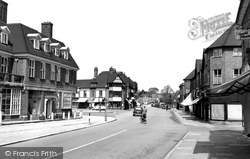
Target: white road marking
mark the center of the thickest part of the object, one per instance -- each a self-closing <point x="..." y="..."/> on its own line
<point x="90" y="143"/>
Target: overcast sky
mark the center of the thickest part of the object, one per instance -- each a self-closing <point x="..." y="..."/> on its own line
<point x="146" y="39"/>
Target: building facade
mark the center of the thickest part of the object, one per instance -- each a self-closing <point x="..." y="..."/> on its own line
<point x="110" y="87"/>
<point x="38" y="73"/>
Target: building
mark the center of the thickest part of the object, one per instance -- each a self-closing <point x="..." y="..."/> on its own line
<point x="112" y="87"/>
<point x="38" y="73"/>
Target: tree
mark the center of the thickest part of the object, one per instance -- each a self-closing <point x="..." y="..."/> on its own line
<point x="167" y="93"/>
<point x="153" y="90"/>
<point x="167" y="89"/>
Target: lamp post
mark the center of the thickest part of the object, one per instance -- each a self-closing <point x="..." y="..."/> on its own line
<point x="105" y="115"/>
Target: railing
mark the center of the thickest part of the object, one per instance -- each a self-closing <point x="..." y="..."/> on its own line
<point x="7" y="77"/>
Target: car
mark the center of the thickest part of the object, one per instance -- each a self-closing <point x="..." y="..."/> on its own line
<point x="137" y="111"/>
<point x="99" y="107"/>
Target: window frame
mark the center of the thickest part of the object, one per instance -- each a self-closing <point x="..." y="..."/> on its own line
<point x="52" y="73"/>
<point x="237" y="51"/>
<point x="4" y="64"/>
<point x="58" y="75"/>
<point x="217" y="53"/>
<point x="31" y="68"/>
<point x="43" y="70"/>
<point x="239" y="72"/>
<point x="4" y="38"/>
<point x="67" y="76"/>
<point x="217" y="78"/>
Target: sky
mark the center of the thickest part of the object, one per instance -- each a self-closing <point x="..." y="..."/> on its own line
<point x="146" y="39"/>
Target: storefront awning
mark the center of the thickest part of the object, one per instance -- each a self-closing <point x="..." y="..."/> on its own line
<point x="196" y="100"/>
<point x="240" y="85"/>
<point x="81" y="100"/>
<point x="188" y="100"/>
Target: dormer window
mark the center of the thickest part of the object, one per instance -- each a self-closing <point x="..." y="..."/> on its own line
<point x="65" y="53"/>
<point x="4" y="35"/>
<point x="45" y="44"/>
<point x="55" y="49"/>
<point x="35" y="40"/>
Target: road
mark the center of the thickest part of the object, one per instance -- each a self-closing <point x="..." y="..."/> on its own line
<point x="126" y="138"/>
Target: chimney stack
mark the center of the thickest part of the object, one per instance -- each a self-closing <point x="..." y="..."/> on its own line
<point x="47" y="29"/>
<point x="95" y="72"/>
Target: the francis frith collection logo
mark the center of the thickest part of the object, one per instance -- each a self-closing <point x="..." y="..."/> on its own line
<point x="210" y="28"/>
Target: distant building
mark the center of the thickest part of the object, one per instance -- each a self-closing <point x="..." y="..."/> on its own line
<point x="112" y="87"/>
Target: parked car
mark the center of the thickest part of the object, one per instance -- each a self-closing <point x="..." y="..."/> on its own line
<point x="98" y="107"/>
<point x="137" y="111"/>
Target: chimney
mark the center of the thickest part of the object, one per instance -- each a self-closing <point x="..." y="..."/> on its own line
<point x="47" y="29"/>
<point x="95" y="72"/>
<point x="4" y="10"/>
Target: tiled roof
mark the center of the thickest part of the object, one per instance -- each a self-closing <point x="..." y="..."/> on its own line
<point x="190" y="76"/>
<point x="243" y="7"/>
<point x="83" y="83"/>
<point x="21" y="44"/>
<point x="226" y="39"/>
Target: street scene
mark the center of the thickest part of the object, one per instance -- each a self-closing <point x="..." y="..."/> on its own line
<point x="134" y="79"/>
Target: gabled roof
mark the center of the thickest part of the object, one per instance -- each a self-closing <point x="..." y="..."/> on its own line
<point x="243" y="7"/>
<point x="198" y="65"/>
<point x="226" y="39"/>
<point x="22" y="45"/>
<point x="190" y="76"/>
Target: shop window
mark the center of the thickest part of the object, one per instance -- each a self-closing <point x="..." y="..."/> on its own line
<point x="11" y="101"/>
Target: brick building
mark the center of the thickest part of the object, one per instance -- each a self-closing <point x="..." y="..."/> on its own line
<point x="38" y="72"/>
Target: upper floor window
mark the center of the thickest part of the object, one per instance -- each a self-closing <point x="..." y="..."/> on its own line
<point x="84" y="94"/>
<point x="32" y="68"/>
<point x="92" y="93"/>
<point x="43" y="71"/>
<point x="65" y="52"/>
<point x="237" y="52"/>
<point x="217" y="78"/>
<point x="4" y="38"/>
<point x="58" y="75"/>
<point x="4" y="64"/>
<point x="100" y="93"/>
<point x="35" y="40"/>
<point x="4" y="35"/>
<point x="67" y="76"/>
<point x="55" y="49"/>
<point x="237" y="72"/>
<point x="217" y="52"/>
<point x="45" y="44"/>
<point x="52" y="73"/>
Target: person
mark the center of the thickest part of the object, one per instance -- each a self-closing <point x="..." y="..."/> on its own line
<point x="144" y="113"/>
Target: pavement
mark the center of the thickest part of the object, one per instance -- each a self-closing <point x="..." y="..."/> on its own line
<point x="210" y="140"/>
<point x="20" y="131"/>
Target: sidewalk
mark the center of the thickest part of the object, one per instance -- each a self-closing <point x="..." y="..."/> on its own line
<point x="13" y="133"/>
<point x="212" y="141"/>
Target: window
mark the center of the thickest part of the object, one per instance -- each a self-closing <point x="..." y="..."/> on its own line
<point x="217" y="53"/>
<point x="92" y="93"/>
<point x="43" y="71"/>
<point x="11" y="101"/>
<point x="67" y="76"/>
<point x="100" y="93"/>
<point x="217" y="79"/>
<point x="45" y="47"/>
<point x="55" y="51"/>
<point x="35" y="43"/>
<point x="237" y="52"/>
<point x="4" y="38"/>
<point x="237" y="72"/>
<point x="58" y="75"/>
<point x="32" y="68"/>
<point x="4" y="64"/>
<point x="84" y="94"/>
<point x="52" y="73"/>
<point x="66" y="55"/>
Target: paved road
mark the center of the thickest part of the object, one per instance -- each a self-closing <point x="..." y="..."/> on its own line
<point x="123" y="139"/>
